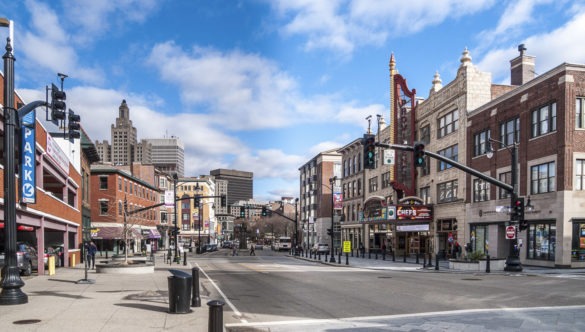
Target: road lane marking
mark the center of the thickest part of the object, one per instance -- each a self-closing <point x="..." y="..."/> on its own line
<point x="227" y="301"/>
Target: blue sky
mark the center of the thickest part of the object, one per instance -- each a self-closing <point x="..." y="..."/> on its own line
<point x="265" y="85"/>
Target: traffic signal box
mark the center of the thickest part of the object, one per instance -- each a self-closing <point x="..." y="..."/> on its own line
<point x="419" y="154"/>
<point x="329" y="231"/>
<point x="369" y="143"/>
<point x="518" y="210"/>
<point x="58" y="105"/>
<point x="242" y="212"/>
<point x="223" y="199"/>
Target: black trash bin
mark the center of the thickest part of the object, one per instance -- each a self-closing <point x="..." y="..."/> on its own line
<point x="180" y="286"/>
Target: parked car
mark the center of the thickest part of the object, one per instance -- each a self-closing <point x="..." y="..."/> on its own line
<point x="227" y="244"/>
<point x="209" y="247"/>
<point x="258" y="246"/>
<point x="56" y="250"/>
<point x="26" y="257"/>
<point x="320" y="248"/>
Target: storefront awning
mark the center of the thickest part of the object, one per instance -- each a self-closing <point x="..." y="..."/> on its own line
<point x="108" y="233"/>
<point x="150" y="234"/>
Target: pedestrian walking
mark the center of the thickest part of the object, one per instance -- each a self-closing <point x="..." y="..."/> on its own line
<point x="234" y="250"/>
<point x="252" y="250"/>
<point x="91" y="250"/>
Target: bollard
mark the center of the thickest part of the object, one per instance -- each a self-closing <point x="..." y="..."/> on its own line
<point x="369" y="254"/>
<point x="339" y="256"/>
<point x="404" y="257"/>
<point x="319" y="256"/>
<point x="417" y="258"/>
<point x="393" y="256"/>
<point x="430" y="260"/>
<point x="437" y="262"/>
<point x="106" y="255"/>
<point x="487" y="264"/>
<point x="184" y="258"/>
<point x="351" y="252"/>
<point x="424" y="261"/>
<point x="376" y="255"/>
<point x="215" y="323"/>
<point x="196" y="298"/>
<point x="383" y="255"/>
<point x="326" y="254"/>
<point x="347" y="259"/>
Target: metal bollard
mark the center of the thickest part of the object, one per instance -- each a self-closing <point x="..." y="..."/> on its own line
<point x="424" y="261"/>
<point x="369" y="254"/>
<point x="393" y="256"/>
<point x="487" y="264"/>
<point x="351" y="252"/>
<point x="404" y="258"/>
<point x="326" y="254"/>
<point x="215" y="323"/>
<point x="106" y="254"/>
<point x="437" y="262"/>
<point x="319" y="256"/>
<point x="417" y="258"/>
<point x="347" y="259"/>
<point x="184" y="258"/>
<point x="339" y="256"/>
<point x="363" y="253"/>
<point x="376" y="254"/>
<point x="430" y="260"/>
<point x="196" y="298"/>
<point x="383" y="255"/>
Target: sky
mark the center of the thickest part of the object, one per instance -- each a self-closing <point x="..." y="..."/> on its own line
<point x="266" y="85"/>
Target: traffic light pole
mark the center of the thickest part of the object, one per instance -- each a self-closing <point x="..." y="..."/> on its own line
<point x="513" y="260"/>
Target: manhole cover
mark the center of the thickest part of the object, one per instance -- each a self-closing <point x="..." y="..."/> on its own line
<point x="26" y="321"/>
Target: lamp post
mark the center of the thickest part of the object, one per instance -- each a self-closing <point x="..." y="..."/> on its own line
<point x="296" y="226"/>
<point x="198" y="199"/>
<point x="513" y="263"/>
<point x="332" y="182"/>
<point x="176" y="230"/>
<point x="11" y="281"/>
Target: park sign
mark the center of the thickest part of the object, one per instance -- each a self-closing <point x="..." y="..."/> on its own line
<point x="28" y="161"/>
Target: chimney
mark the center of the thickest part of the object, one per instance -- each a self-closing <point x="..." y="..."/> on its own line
<point x="521" y="67"/>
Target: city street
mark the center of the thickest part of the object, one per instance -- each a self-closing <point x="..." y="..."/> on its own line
<point x="274" y="290"/>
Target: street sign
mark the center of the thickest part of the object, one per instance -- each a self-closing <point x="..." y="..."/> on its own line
<point x="510" y="232"/>
<point x="389" y="157"/>
<point x="346" y="246"/>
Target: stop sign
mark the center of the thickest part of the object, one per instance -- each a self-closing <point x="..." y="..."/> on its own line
<point x="510" y="232"/>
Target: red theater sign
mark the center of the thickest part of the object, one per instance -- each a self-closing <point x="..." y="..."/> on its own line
<point x="414" y="212"/>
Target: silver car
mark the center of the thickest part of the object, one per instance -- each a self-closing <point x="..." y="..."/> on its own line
<point x="320" y="248"/>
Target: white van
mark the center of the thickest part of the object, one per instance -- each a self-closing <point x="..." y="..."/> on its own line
<point x="284" y="243"/>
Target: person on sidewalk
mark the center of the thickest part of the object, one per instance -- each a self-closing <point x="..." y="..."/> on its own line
<point x="91" y="250"/>
<point x="234" y="250"/>
<point x="252" y="250"/>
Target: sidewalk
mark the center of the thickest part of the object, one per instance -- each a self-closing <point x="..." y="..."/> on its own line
<point x="114" y="302"/>
<point x="410" y="264"/>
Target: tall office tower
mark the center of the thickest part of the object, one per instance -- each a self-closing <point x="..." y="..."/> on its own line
<point x="240" y="186"/>
<point x="166" y="154"/>
<point x="123" y="137"/>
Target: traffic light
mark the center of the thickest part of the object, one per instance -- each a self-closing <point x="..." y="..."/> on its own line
<point x="329" y="231"/>
<point x="73" y="125"/>
<point x="223" y="199"/>
<point x="196" y="202"/>
<point x="242" y="212"/>
<point x="264" y="212"/>
<point x="58" y="105"/>
<point x="518" y="209"/>
<point x="369" y="143"/>
<point x="419" y="154"/>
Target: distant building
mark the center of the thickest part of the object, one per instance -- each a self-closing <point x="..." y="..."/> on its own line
<point x="240" y="184"/>
<point x="166" y="154"/>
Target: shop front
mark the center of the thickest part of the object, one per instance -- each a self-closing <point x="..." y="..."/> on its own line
<point x="412" y="225"/>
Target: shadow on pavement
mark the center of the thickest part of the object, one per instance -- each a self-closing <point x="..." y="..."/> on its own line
<point x="144" y="306"/>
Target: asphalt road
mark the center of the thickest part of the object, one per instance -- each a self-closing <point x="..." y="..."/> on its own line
<point x="272" y="290"/>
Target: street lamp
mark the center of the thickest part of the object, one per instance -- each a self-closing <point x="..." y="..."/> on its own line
<point x="176" y="229"/>
<point x="198" y="199"/>
<point x="513" y="263"/>
<point x="332" y="182"/>
<point x="11" y="281"/>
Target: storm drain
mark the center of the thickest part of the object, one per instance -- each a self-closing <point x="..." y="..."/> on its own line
<point x="26" y="321"/>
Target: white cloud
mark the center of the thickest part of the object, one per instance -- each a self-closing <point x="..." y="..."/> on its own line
<point x="550" y="49"/>
<point x="270" y="163"/>
<point x="341" y="26"/>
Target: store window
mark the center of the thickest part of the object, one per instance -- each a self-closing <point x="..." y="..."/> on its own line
<point x="479" y="239"/>
<point x="542" y="241"/>
<point x="578" y="242"/>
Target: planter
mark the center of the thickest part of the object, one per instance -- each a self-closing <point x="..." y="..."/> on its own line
<point x="119" y="267"/>
<point x="477" y="266"/>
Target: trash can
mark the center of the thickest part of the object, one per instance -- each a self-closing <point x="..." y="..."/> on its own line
<point x="180" y="284"/>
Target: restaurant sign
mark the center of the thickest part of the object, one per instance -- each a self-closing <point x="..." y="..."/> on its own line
<point x="414" y="212"/>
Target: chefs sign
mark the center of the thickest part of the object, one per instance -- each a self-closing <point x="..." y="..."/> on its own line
<point x="414" y="212"/>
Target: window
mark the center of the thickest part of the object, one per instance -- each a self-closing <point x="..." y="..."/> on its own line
<point x="447" y="191"/>
<point x="425" y="134"/>
<point x="544" y="120"/>
<point x="579" y="110"/>
<point x="578" y="241"/>
<point x="448" y="123"/>
<point x="425" y="194"/>
<point x="163" y="217"/>
<point x="386" y="180"/>
<point x="373" y="184"/>
<point x="542" y="241"/>
<point x="359" y="187"/>
<point x="120" y="184"/>
<point x="104" y="208"/>
<point x="480" y="142"/>
<point x="481" y="190"/>
<point x="451" y="153"/>
<point x="510" y="131"/>
<point x="185" y="216"/>
<point x="542" y="178"/>
<point x="103" y="182"/>
<point x="479" y="238"/>
<point x="186" y="227"/>
<point x="506" y="178"/>
<point x="120" y="208"/>
<point x="579" y="174"/>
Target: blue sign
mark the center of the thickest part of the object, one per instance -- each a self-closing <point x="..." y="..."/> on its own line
<point x="28" y="192"/>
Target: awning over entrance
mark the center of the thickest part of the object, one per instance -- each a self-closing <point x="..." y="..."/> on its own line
<point x="150" y="234"/>
<point x="108" y="233"/>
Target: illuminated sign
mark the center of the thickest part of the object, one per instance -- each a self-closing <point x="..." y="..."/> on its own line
<point x="28" y="192"/>
<point x="414" y="212"/>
